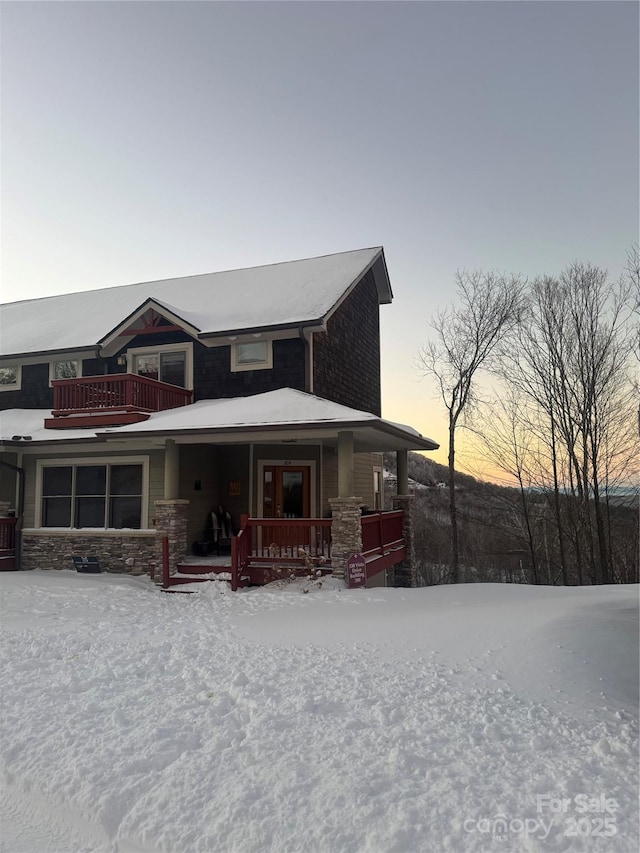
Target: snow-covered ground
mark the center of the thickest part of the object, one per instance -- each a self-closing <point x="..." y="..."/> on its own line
<point x="471" y="718"/>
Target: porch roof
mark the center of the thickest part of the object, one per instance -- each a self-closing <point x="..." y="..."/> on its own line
<point x="283" y="415"/>
<point x="26" y="426"/>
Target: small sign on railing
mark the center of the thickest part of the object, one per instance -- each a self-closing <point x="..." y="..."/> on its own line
<point x="356" y="571"/>
<point x="87" y="565"/>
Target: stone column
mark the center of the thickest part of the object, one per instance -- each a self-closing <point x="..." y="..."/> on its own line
<point x="405" y="573"/>
<point x="346" y="532"/>
<point x="171" y="521"/>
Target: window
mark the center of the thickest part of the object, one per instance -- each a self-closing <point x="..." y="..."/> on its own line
<point x="66" y="369"/>
<point x="93" y="494"/>
<point x="10" y="378"/>
<point x="253" y="355"/>
<point x="378" y="497"/>
<point x="171" y="363"/>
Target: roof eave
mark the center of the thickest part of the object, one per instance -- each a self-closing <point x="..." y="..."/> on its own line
<point x="405" y="440"/>
<point x="48" y="353"/>
<point x="252" y="330"/>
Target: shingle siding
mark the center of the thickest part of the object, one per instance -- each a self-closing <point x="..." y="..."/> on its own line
<point x="34" y="392"/>
<point x="346" y="358"/>
<point x="213" y="377"/>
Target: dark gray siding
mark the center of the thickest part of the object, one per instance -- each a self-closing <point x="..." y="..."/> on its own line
<point x="346" y="358"/>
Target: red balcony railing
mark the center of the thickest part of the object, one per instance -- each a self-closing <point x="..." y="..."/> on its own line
<point x="119" y="391"/>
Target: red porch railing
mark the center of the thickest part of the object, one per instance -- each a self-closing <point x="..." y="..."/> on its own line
<point x="269" y="542"/>
<point x="382" y="540"/>
<point x="7" y="533"/>
<point x="121" y="391"/>
<point x="265" y="543"/>
<point x="8" y="543"/>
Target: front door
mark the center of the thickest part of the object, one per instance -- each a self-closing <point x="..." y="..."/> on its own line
<point x="285" y="491"/>
<point x="285" y="494"/>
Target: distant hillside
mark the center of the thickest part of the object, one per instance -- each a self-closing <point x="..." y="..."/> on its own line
<point x="430" y="473"/>
<point x="505" y="536"/>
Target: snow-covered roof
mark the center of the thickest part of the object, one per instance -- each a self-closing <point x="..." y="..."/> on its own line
<point x="281" y="295"/>
<point x="18" y="423"/>
<point x="290" y="412"/>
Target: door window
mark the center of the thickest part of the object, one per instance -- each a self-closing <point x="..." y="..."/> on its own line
<point x="286" y="491"/>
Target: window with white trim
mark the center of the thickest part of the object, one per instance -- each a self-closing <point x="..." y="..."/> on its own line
<point x="251" y="355"/>
<point x="93" y="493"/>
<point x="65" y="369"/>
<point x="171" y="363"/>
<point x="378" y="485"/>
<point x="10" y="378"/>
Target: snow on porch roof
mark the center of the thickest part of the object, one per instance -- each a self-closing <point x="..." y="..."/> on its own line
<point x="20" y="423"/>
<point x="285" y="409"/>
<point x="284" y="294"/>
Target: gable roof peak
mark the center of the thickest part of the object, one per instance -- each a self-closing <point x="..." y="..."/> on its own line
<point x="278" y="295"/>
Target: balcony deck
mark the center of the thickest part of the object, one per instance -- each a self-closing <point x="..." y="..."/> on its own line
<point x="111" y="400"/>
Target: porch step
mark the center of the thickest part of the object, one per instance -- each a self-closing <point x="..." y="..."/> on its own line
<point x="201" y="569"/>
<point x="192" y="573"/>
<point x="254" y="575"/>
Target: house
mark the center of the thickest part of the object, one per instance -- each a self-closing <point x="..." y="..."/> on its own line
<point x="129" y="414"/>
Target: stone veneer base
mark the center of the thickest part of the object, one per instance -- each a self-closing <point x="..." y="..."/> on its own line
<point x="132" y="552"/>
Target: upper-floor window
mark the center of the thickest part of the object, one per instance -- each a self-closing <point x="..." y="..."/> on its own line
<point x="252" y="355"/>
<point x="65" y="369"/>
<point x="10" y="378"/>
<point x="171" y="363"/>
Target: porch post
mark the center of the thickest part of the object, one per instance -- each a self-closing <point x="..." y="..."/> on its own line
<point x="345" y="464"/>
<point x="171" y="521"/>
<point x="346" y="524"/>
<point x="402" y="472"/>
<point x="171" y="470"/>
<point x="405" y="573"/>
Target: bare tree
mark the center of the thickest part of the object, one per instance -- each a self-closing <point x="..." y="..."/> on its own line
<point x="509" y="437"/>
<point x="632" y="272"/>
<point x="572" y="361"/>
<point x="467" y="335"/>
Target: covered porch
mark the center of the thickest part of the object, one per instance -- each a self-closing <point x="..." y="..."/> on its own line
<point x="304" y="493"/>
<point x="299" y="479"/>
<point x="269" y="549"/>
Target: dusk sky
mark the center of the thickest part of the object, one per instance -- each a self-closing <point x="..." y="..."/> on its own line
<point x="146" y="140"/>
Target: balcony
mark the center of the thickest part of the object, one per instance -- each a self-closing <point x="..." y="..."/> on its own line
<point x="111" y="400"/>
